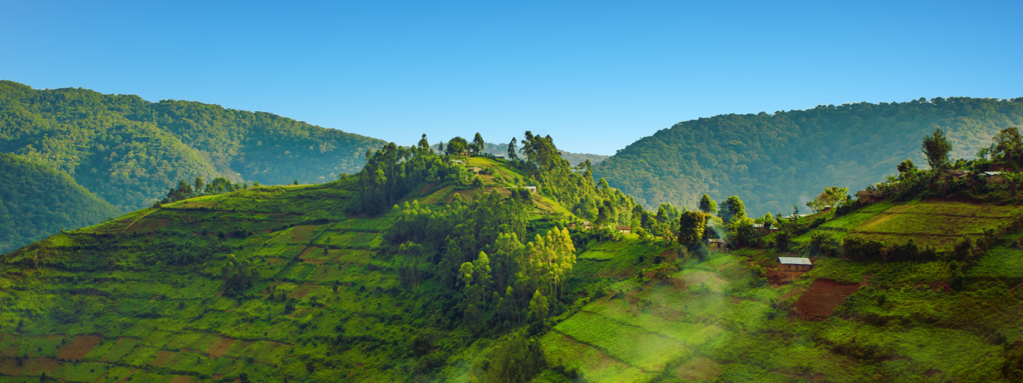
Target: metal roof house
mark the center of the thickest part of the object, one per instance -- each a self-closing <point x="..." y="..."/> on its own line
<point x="532" y="189"/>
<point x="717" y="244"/>
<point x="794" y="264"/>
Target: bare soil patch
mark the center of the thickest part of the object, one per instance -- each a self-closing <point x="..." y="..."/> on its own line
<point x="219" y="349"/>
<point x="302" y="234"/>
<point x="165" y="358"/>
<point x="125" y="378"/>
<point x="301" y="291"/>
<point x="182" y="379"/>
<point x="699" y="370"/>
<point x="822" y="297"/>
<point x="146" y="225"/>
<point x="78" y="348"/>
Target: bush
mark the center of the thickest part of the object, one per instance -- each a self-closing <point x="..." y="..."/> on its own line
<point x="861" y="250"/>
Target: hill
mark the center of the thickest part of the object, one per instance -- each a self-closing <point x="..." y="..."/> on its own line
<point x="308" y="282"/>
<point x="130" y="151"/>
<point x="573" y="159"/>
<point x="775" y="160"/>
<point x="36" y="201"/>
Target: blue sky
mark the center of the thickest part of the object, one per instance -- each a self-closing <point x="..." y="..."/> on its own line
<point x="594" y="75"/>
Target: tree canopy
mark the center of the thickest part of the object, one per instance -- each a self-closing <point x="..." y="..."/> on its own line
<point x="776" y="159"/>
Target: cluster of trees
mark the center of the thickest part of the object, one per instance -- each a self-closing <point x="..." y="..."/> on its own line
<point x="394" y="171"/>
<point x="184" y="190"/>
<point x="773" y="158"/>
<point x="129" y="151"/>
<point x="36" y="201"/>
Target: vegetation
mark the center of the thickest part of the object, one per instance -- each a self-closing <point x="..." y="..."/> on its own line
<point x="129" y="151"/>
<point x="36" y="201"/>
<point x="772" y="160"/>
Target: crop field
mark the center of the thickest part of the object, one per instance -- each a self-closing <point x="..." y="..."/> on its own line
<point x="315" y="279"/>
<point x="939" y="225"/>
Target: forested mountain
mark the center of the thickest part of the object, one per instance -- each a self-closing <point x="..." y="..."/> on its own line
<point x="130" y="151"/>
<point x="36" y="201"/>
<point x="573" y="158"/>
<point x="775" y="160"/>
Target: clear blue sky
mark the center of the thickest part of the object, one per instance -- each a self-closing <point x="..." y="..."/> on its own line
<point x="594" y="75"/>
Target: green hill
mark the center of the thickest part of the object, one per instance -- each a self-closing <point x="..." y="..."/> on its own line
<point x="308" y="282"/>
<point x="130" y="151"/>
<point x="36" y="201"/>
<point x="775" y="160"/>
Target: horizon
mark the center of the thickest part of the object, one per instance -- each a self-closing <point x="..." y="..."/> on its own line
<point x="580" y="73"/>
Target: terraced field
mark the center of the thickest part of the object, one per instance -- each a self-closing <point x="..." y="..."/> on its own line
<point x="936" y="224"/>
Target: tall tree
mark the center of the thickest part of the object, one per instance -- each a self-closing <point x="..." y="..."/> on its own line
<point x="1007" y="145"/>
<point x="707" y="205"/>
<point x="513" y="149"/>
<point x="477" y="145"/>
<point x="691" y="227"/>
<point x="936" y="147"/>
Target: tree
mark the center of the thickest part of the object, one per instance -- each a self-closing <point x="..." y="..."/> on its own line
<point x="691" y="226"/>
<point x="513" y="150"/>
<point x="477" y="145"/>
<point x="199" y="185"/>
<point x="1007" y="145"/>
<point x="732" y="206"/>
<point x="423" y="145"/>
<point x="907" y="167"/>
<point x="538" y="310"/>
<point x="707" y="205"/>
<point x="936" y="148"/>
<point x="457" y="146"/>
<point x="831" y="196"/>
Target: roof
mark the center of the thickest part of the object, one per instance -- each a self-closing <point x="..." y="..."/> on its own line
<point x="715" y="240"/>
<point x="529" y="187"/>
<point x="794" y="261"/>
<point x="992" y="173"/>
<point x="624" y="228"/>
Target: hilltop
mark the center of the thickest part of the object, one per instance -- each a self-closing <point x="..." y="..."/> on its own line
<point x="130" y="151"/>
<point x="36" y="201"/>
<point x="775" y="160"/>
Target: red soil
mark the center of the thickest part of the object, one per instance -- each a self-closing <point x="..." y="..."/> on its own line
<point x="822" y="297"/>
<point x="219" y="349"/>
<point x="78" y="348"/>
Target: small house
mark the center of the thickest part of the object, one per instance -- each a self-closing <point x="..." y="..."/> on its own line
<point x="458" y="162"/>
<point x="476" y="169"/>
<point x="532" y="189"/>
<point x="716" y="244"/>
<point x="624" y="229"/>
<point x="954" y="174"/>
<point x="587" y="225"/>
<point x="995" y="177"/>
<point x="794" y="264"/>
<point x="869" y="196"/>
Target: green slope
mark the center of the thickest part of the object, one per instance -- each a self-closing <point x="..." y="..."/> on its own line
<point x="130" y="151"/>
<point x="36" y="201"/>
<point x="775" y="160"/>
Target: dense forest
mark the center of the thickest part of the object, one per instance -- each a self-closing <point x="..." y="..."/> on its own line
<point x="130" y="151"/>
<point x="573" y="158"/>
<point x="36" y="201"/>
<point x="775" y="160"/>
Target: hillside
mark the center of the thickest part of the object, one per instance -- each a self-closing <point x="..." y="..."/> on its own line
<point x="130" y="151"/>
<point x="775" y="160"/>
<point x="36" y="201"/>
<point x="302" y="282"/>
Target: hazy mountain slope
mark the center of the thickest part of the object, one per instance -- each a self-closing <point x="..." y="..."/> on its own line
<point x="775" y="160"/>
<point x="36" y="201"/>
<point x="130" y="151"/>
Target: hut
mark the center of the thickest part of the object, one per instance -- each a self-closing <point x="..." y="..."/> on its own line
<point x="624" y="229"/>
<point x="532" y="189"/>
<point x="794" y="264"/>
<point x="869" y="196"/>
<point x="716" y="244"/>
<point x="995" y="177"/>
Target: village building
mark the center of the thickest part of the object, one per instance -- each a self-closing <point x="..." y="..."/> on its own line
<point x="794" y="264"/>
<point x="458" y="162"/>
<point x="532" y="189"/>
<point x="995" y="177"/>
<point x="716" y="244"/>
<point x="869" y="196"/>
<point x="954" y="174"/>
<point x="624" y="229"/>
<point x="475" y="169"/>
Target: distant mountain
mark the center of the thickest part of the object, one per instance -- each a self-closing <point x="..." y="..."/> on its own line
<point x="130" y="151"/>
<point x="774" y="160"/>
<point x="36" y="201"/>
<point x="572" y="158"/>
